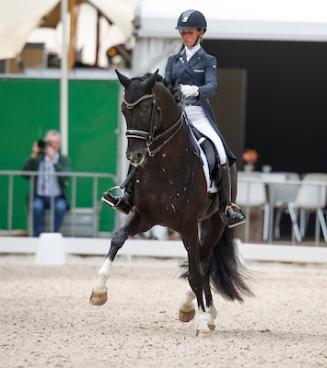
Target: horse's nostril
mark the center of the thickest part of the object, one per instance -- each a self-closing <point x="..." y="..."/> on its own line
<point x="135" y="157"/>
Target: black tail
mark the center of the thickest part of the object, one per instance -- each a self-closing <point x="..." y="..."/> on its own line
<point x="227" y="275"/>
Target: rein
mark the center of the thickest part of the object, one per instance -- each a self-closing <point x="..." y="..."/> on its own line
<point x="149" y="136"/>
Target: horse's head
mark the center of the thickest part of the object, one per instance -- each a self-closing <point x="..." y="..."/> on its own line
<point x="141" y="114"/>
<point x="143" y="106"/>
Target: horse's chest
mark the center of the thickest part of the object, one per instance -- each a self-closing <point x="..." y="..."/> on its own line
<point x="165" y="195"/>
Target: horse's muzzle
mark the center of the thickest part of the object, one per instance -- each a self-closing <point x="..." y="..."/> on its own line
<point x="135" y="158"/>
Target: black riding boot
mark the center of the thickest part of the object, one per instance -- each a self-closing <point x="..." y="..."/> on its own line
<point x="231" y="214"/>
<point x="123" y="203"/>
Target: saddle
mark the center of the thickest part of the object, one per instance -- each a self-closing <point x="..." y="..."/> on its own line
<point x="197" y="140"/>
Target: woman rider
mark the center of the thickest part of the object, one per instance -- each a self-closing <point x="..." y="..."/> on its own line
<point x="195" y="72"/>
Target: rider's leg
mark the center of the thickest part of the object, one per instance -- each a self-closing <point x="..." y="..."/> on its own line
<point x="229" y="212"/>
<point x="123" y="203"/>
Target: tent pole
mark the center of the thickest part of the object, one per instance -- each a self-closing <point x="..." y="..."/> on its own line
<point x="64" y="81"/>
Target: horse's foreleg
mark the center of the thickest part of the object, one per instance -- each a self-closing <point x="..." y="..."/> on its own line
<point x="131" y="227"/>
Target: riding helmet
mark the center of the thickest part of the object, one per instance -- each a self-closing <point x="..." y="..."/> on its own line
<point x="191" y="19"/>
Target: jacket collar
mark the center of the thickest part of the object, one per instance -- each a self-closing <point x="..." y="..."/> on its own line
<point x="194" y="58"/>
<point x="187" y="65"/>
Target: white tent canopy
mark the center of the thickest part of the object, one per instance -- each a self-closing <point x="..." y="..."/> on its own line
<point x="300" y="20"/>
<point x="17" y="21"/>
<point x="19" y="18"/>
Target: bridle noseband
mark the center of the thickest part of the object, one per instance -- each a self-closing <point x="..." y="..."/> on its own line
<point x="149" y="136"/>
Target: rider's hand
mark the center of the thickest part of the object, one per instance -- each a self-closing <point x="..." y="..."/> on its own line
<point x="189" y="91"/>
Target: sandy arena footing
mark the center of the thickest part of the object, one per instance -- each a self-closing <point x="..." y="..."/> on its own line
<point x="46" y="319"/>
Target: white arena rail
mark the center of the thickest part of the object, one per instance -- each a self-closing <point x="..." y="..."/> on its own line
<point x="167" y="249"/>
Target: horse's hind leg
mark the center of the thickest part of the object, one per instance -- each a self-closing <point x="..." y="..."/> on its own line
<point x="211" y="231"/>
<point x="195" y="274"/>
<point x="186" y="309"/>
<point x="132" y="226"/>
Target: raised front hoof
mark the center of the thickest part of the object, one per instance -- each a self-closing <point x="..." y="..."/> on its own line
<point x="99" y="297"/>
<point x="186" y="316"/>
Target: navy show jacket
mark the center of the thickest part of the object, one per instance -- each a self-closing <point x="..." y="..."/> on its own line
<point x="201" y="71"/>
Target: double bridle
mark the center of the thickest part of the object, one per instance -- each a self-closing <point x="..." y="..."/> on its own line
<point x="149" y="136"/>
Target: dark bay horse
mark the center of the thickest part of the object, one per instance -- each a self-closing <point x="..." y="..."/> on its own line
<point x="171" y="190"/>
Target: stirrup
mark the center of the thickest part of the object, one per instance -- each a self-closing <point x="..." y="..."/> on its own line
<point x="105" y="200"/>
<point x="119" y="203"/>
<point x="232" y="222"/>
<point x="235" y="208"/>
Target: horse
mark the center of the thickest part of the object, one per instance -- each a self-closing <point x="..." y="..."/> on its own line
<point x="170" y="190"/>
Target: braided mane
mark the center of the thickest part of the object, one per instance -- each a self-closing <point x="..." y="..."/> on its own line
<point x="175" y="92"/>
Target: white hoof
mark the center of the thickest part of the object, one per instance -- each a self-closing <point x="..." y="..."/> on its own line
<point x="206" y="324"/>
<point x="204" y="331"/>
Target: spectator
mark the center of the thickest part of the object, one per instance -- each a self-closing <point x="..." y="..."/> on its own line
<point x="47" y="159"/>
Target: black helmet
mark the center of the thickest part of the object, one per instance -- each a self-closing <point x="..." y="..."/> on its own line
<point x="191" y="19"/>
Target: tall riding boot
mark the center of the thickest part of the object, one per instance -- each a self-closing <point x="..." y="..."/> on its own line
<point x="122" y="203"/>
<point x="231" y="214"/>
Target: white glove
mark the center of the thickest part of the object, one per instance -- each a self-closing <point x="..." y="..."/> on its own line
<point x="189" y="91"/>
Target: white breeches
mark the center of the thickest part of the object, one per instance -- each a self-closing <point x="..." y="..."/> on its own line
<point x="199" y="120"/>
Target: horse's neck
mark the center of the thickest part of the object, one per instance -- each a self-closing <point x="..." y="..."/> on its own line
<point x="177" y="151"/>
<point x="169" y="109"/>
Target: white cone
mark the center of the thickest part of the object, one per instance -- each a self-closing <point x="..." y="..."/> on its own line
<point x="50" y="250"/>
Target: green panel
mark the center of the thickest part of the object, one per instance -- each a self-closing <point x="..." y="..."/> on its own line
<point x="30" y="107"/>
<point x="93" y="115"/>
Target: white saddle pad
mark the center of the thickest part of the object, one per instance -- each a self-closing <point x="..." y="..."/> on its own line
<point x="211" y="187"/>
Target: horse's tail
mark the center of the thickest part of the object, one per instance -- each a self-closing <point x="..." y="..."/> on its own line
<point x="227" y="274"/>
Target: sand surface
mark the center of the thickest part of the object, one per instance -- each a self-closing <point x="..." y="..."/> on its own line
<point x="47" y="321"/>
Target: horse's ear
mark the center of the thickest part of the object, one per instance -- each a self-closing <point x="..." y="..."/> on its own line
<point x="122" y="79"/>
<point x="149" y="83"/>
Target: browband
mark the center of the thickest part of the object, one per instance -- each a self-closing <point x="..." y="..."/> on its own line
<point x="131" y="105"/>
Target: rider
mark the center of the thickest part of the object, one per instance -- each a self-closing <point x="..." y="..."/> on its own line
<point x="194" y="71"/>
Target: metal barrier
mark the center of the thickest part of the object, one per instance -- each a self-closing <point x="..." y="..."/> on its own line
<point x="268" y="203"/>
<point x="73" y="176"/>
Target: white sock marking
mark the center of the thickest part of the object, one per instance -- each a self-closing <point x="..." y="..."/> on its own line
<point x="103" y="275"/>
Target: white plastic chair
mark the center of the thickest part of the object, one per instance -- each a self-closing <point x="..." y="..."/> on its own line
<point x="251" y="193"/>
<point x="311" y="197"/>
<point x="283" y="194"/>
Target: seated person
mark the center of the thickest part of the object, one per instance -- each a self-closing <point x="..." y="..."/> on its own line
<point x="47" y="159"/>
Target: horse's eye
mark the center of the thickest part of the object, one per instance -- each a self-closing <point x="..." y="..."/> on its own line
<point x="145" y="107"/>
